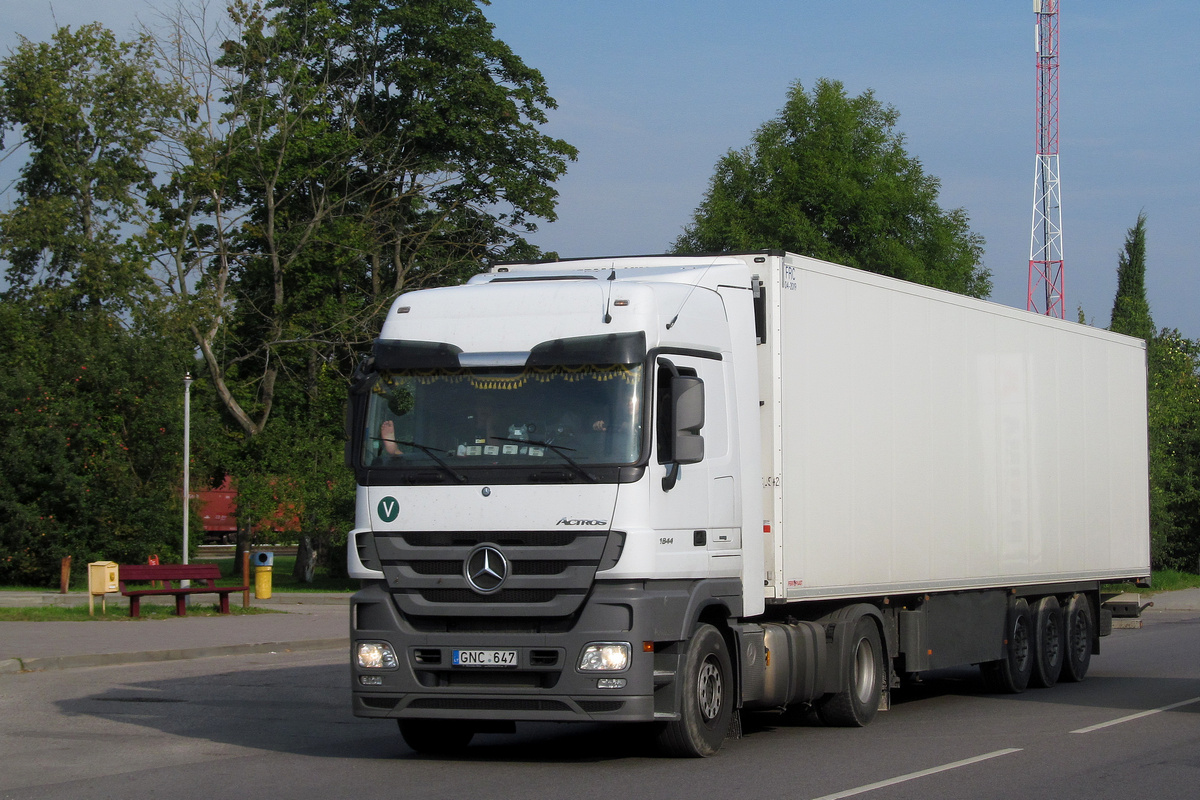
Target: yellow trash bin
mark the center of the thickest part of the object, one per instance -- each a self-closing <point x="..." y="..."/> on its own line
<point x="263" y="561"/>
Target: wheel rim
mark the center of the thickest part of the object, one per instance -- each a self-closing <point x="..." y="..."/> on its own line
<point x="864" y="671"/>
<point x="710" y="690"/>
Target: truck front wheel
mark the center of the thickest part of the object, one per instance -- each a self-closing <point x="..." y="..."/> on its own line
<point x="706" y="702"/>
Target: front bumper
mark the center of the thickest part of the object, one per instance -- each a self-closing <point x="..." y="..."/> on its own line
<point x="545" y="684"/>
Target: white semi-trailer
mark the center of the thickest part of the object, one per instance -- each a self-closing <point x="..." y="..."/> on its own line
<point x="668" y="489"/>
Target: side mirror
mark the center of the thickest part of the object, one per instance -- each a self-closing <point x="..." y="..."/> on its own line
<point x="687" y="392"/>
<point x="680" y="441"/>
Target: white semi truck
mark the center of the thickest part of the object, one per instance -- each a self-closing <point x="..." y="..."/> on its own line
<point x="670" y="489"/>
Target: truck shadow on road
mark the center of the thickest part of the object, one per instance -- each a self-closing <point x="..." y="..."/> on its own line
<point x="305" y="710"/>
<point x="1119" y="692"/>
<point x="299" y="709"/>
<point x="1099" y="699"/>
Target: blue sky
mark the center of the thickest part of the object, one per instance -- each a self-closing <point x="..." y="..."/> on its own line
<point x="654" y="92"/>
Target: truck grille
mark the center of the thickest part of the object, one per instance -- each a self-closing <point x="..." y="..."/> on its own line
<point x="467" y="596"/>
<point x="547" y="573"/>
<point x="518" y="568"/>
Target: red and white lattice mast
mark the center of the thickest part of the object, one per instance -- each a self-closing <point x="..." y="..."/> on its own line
<point x="1045" y="246"/>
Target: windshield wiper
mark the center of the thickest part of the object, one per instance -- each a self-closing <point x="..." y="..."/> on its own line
<point x="558" y="450"/>
<point x="429" y="451"/>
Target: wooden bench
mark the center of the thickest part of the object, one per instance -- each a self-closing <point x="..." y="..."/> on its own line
<point x="170" y="574"/>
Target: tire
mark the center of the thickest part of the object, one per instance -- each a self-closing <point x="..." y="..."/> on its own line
<point x="1049" y="642"/>
<point x="856" y="704"/>
<point x="435" y="736"/>
<point x="1010" y="675"/>
<point x="706" y="701"/>
<point x="1079" y="630"/>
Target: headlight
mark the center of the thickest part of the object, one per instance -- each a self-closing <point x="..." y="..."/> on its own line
<point x="604" y="657"/>
<point x="376" y="655"/>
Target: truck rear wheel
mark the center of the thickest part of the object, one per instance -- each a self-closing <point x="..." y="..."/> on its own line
<point x="435" y="736"/>
<point x="706" y="702"/>
<point x="1048" y="642"/>
<point x="1077" y="624"/>
<point x="858" y="701"/>
<point x="1011" y="673"/>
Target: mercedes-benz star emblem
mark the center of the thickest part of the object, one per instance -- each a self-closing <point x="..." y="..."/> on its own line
<point x="486" y="569"/>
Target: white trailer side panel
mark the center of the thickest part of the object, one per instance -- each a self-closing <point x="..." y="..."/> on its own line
<point x="928" y="441"/>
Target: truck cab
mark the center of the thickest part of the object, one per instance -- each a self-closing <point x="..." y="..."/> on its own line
<point x="551" y="466"/>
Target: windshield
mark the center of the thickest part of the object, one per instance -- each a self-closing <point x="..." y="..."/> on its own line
<point x="497" y="416"/>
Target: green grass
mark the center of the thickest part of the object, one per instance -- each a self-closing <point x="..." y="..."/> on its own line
<point x="118" y="612"/>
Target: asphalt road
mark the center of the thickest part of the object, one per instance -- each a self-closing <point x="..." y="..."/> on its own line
<point x="278" y="725"/>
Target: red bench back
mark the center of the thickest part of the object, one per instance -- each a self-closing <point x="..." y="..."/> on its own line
<point x="168" y="572"/>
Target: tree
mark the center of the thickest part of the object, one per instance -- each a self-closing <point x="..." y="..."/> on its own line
<point x="1174" y="429"/>
<point x="90" y="439"/>
<point x="87" y="108"/>
<point x="1173" y="405"/>
<point x="89" y="371"/>
<point x="367" y="147"/>
<point x="830" y="178"/>
<point x="1131" y="310"/>
<point x="364" y="148"/>
<point x="314" y="159"/>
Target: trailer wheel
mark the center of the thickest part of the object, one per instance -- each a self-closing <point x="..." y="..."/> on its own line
<point x="435" y="736"/>
<point x="858" y="701"/>
<point x="706" y="704"/>
<point x="1049" y="643"/>
<point x="1077" y="623"/>
<point x="1010" y="674"/>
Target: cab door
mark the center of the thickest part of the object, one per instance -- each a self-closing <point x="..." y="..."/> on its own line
<point x="694" y="508"/>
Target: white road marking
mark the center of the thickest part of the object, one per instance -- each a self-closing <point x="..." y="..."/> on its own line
<point x="914" y="775"/>
<point x="1139" y="715"/>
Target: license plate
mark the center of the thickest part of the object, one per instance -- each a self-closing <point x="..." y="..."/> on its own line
<point x="485" y="658"/>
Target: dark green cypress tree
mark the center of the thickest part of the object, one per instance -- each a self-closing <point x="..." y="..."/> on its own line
<point x="1131" y="310"/>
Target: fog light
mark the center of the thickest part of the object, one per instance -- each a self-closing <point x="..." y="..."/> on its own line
<point x="610" y="683"/>
<point x="376" y="655"/>
<point x="371" y="680"/>
<point x="604" y="657"/>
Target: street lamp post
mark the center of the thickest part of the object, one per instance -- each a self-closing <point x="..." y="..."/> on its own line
<point x="187" y="457"/>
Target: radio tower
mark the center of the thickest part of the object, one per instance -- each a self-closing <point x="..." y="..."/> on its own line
<point x="1045" y="293"/>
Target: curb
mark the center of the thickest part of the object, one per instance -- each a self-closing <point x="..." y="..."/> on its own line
<point x="18" y="665"/>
